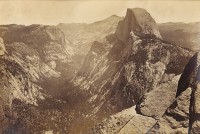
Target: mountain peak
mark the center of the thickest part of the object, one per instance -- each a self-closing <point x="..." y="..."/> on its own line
<point x="114" y="16"/>
<point x="138" y="21"/>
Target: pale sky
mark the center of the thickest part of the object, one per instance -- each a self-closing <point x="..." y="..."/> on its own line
<point x="67" y="11"/>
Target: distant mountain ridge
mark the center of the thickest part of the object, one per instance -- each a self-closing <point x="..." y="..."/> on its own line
<point x="183" y="34"/>
<point x="178" y="33"/>
<point x="82" y="35"/>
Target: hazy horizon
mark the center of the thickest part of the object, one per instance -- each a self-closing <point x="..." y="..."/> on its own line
<point x="92" y="22"/>
<point x="55" y="12"/>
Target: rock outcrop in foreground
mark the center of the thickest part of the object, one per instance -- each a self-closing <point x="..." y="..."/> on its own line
<point x="182" y="116"/>
<point x="191" y="79"/>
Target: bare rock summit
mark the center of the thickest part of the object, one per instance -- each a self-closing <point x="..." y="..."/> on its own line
<point x="139" y="22"/>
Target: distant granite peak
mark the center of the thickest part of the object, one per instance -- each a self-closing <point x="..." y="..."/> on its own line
<point x="138" y="21"/>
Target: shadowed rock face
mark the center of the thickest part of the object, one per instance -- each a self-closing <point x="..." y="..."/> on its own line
<point x="194" y="124"/>
<point x="189" y="75"/>
<point x="190" y="79"/>
<point x="139" y="22"/>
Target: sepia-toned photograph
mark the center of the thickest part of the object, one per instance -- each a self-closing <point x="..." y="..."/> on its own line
<point x="99" y="67"/>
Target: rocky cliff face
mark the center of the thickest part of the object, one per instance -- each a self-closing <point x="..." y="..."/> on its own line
<point x="48" y="41"/>
<point x="135" y="22"/>
<point x="174" y="120"/>
<point x="176" y="112"/>
<point x="36" y="64"/>
<point x="183" y="115"/>
<point x="31" y="57"/>
<point x="134" y="61"/>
